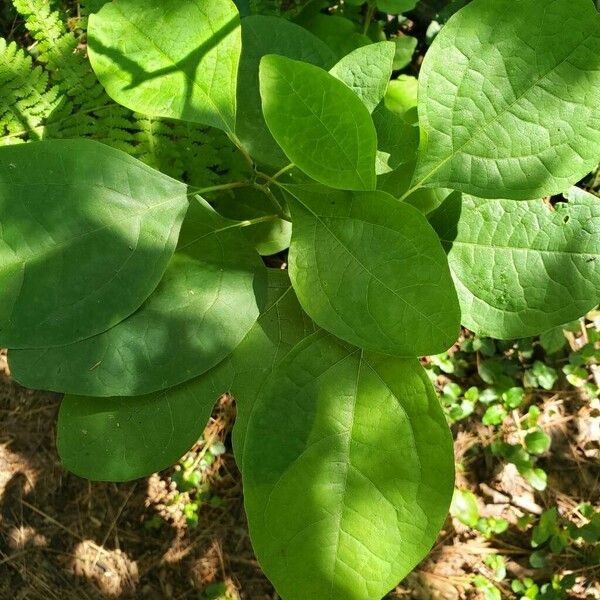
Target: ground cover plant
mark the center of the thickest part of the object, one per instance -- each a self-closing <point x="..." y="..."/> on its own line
<point x="139" y="292"/>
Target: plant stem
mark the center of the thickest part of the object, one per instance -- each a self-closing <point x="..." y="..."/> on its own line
<point x="257" y="220"/>
<point x="218" y="188"/>
<point x="369" y="16"/>
<point x="281" y="172"/>
<point x="207" y="444"/>
<point x="238" y="144"/>
<point x="409" y="191"/>
<point x="274" y="202"/>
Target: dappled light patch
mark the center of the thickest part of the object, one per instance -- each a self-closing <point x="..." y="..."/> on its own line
<point x="113" y="572"/>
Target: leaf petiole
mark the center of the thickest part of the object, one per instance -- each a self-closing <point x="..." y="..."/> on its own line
<point x="218" y="188"/>
<point x="281" y="172"/>
<point x="257" y="220"/>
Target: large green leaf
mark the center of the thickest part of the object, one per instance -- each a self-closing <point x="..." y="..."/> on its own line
<point x="120" y="438"/>
<point x="367" y="71"/>
<point x="169" y="58"/>
<point x="86" y="233"/>
<point x="348" y="471"/>
<point x="521" y="268"/>
<point x="372" y="271"/>
<point x="320" y="123"/>
<point x="509" y="98"/>
<point x="208" y="300"/>
<point x="262" y="35"/>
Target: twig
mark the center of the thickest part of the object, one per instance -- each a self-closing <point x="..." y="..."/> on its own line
<point x="52" y="520"/>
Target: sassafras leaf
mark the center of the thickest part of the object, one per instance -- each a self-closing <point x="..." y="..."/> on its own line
<point x="347" y="470"/>
<point x="509" y="98"/>
<point x="321" y="125"/>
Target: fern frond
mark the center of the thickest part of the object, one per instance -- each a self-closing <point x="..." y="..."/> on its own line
<point x="44" y="24"/>
<point x="26" y="98"/>
<point x="59" y="96"/>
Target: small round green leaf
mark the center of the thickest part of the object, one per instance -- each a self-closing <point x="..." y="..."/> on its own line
<point x="521" y="268"/>
<point x="169" y="58"/>
<point x="208" y="300"/>
<point x="537" y="442"/>
<point x="341" y="506"/>
<point x="372" y="271"/>
<point x="321" y="124"/>
<point x="509" y="98"/>
<point x="464" y="507"/>
<point x="86" y="233"/>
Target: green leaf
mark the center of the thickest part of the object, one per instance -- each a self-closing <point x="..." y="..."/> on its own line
<point x="553" y="340"/>
<point x="533" y="414"/>
<point x="339" y="33"/>
<point x="537" y="442"/>
<point x="321" y="125"/>
<point x="464" y="507"/>
<point x="537" y="478"/>
<point x="513" y="397"/>
<point x="118" y="439"/>
<point x="498" y="564"/>
<point x="207" y="302"/>
<point x="494" y="415"/>
<point x="545" y="375"/>
<point x="509" y="98"/>
<point x="169" y="58"/>
<point x="521" y="267"/>
<point x="269" y="237"/>
<point x="262" y="35"/>
<point x="537" y="560"/>
<point x="371" y="270"/>
<point x="397" y="141"/>
<point x="546" y="528"/>
<point x="278" y="331"/>
<point x="401" y="94"/>
<point x="405" y="48"/>
<point x="338" y="508"/>
<point x="396" y="7"/>
<point x="590" y="532"/>
<point x="367" y="71"/>
<point x="86" y="234"/>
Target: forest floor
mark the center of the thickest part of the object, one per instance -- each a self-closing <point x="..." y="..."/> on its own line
<point x="65" y="538"/>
